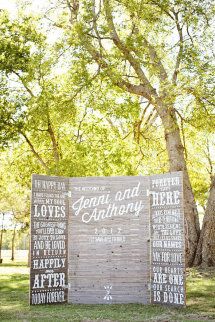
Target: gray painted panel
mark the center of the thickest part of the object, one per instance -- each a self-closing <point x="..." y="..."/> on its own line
<point x="106" y="240"/>
<point x="167" y="245"/>
<point x="114" y="240"/>
<point x="49" y="226"/>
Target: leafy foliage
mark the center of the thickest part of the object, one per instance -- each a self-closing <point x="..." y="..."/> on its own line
<point x="91" y="100"/>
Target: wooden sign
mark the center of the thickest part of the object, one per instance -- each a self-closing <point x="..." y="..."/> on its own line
<point x="167" y="239"/>
<point x="100" y="240"/>
<point x="49" y="227"/>
<point x="109" y="240"/>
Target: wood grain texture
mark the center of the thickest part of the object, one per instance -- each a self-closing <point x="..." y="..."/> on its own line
<point x="101" y="240"/>
<point x="167" y="239"/>
<point x="49" y="240"/>
<point x="109" y="252"/>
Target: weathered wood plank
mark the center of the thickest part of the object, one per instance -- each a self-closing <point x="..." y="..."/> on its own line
<point x="108" y="239"/>
<point x="49" y="237"/>
<point x="123" y="239"/>
<point x="167" y="245"/>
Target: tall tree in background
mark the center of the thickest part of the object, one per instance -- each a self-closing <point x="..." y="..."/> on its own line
<point x="205" y="254"/>
<point x="150" y="49"/>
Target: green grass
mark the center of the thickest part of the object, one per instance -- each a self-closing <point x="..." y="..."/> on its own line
<point x="13" y="264"/>
<point x="14" y="288"/>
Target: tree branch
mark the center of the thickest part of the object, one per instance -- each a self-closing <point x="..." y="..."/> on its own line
<point x="208" y="156"/>
<point x="24" y="83"/>
<point x="73" y="6"/>
<point x="95" y="17"/>
<point x="141" y="89"/>
<point x="54" y="141"/>
<point x="79" y="136"/>
<point x="151" y="118"/>
<point x="182" y="131"/>
<point x="36" y="154"/>
<point x="181" y="47"/>
<point x="123" y="48"/>
<point x="156" y="60"/>
<point x="144" y="122"/>
<point x="155" y="3"/>
<point x="79" y="90"/>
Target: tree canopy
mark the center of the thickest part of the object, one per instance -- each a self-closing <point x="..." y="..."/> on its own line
<point x="111" y="88"/>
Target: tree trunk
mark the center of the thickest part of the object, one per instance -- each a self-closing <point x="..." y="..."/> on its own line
<point x="205" y="254"/>
<point x="1" y="237"/>
<point x="13" y="244"/>
<point x="29" y="252"/>
<point x="177" y="162"/>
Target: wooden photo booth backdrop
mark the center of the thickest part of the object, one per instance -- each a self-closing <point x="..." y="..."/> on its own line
<point x="125" y="240"/>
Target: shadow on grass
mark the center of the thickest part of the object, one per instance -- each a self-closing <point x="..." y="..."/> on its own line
<point x="201" y="290"/>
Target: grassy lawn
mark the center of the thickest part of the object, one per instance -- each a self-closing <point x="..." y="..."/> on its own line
<point x="14" y="287"/>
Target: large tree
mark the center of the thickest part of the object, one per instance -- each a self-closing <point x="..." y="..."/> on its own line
<point x="150" y="49"/>
<point x="61" y="117"/>
<point x="133" y="66"/>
